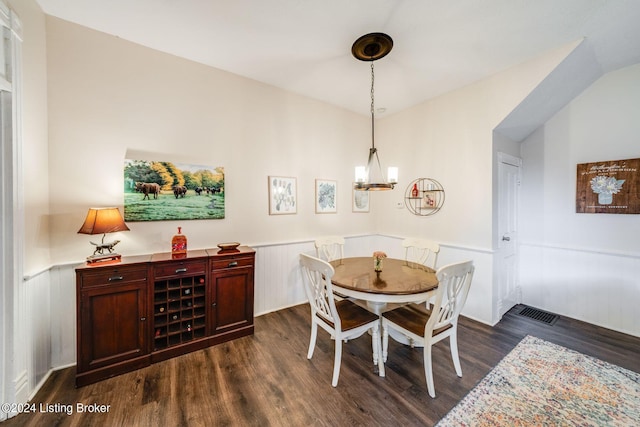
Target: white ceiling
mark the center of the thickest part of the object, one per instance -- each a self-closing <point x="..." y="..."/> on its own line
<point x="304" y="46"/>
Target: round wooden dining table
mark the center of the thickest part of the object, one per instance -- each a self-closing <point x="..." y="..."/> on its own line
<point x="398" y="282"/>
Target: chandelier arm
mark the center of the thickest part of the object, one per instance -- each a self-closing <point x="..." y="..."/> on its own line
<point x="374" y="152"/>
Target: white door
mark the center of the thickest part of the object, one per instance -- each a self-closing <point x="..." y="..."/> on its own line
<point x="508" y="189"/>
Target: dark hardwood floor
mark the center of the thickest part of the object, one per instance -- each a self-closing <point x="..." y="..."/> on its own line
<point x="266" y="379"/>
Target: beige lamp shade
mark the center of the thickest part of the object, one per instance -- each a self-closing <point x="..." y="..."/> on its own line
<point x="102" y="221"/>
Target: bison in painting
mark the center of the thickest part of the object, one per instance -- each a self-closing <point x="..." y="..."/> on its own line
<point x="147" y="188"/>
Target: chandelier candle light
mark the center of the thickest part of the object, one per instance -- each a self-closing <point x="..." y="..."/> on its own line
<point x="371" y="47"/>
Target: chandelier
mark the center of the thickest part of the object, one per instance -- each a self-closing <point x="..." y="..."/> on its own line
<point x="372" y="47"/>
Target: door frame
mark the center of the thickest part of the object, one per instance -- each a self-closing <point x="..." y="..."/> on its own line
<point x="13" y="357"/>
<point x="506" y="159"/>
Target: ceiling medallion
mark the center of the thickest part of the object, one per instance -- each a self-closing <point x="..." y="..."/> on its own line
<point x="372" y="47"/>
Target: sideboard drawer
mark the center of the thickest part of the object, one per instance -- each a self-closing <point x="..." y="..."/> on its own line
<point x="231" y="262"/>
<point x="177" y="269"/>
<point x="112" y="276"/>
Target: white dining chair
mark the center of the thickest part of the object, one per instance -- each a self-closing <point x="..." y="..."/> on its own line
<point x="421" y="251"/>
<point x="342" y="319"/>
<point x="427" y="324"/>
<point x="330" y="248"/>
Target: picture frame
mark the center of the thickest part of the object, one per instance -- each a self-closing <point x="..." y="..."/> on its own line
<point x="283" y="195"/>
<point x="608" y="187"/>
<point x="170" y="191"/>
<point x="359" y="200"/>
<point x="429" y="200"/>
<point x="326" y="196"/>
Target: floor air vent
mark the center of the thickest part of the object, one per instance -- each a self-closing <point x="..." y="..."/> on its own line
<point x="539" y="315"/>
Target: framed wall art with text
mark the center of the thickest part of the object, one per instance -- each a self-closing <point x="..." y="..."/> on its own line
<point x="611" y="186"/>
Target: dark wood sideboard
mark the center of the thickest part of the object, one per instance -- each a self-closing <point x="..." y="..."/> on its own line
<point x="145" y="309"/>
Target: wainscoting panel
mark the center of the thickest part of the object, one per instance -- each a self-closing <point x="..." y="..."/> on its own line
<point x="33" y="329"/>
<point x="596" y="287"/>
<point x="277" y="276"/>
<point x="278" y="279"/>
<point x="63" y="317"/>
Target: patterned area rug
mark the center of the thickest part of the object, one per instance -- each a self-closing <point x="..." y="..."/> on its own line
<point x="544" y="384"/>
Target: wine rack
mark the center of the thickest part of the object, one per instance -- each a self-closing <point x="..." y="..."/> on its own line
<point x="179" y="310"/>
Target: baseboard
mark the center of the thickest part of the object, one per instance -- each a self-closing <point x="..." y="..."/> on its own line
<point x="21" y="387"/>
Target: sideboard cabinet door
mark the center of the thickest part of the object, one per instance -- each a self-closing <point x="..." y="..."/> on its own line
<point x="232" y="293"/>
<point x="112" y="326"/>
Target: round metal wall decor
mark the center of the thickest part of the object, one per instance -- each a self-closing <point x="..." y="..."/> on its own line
<point x="424" y="196"/>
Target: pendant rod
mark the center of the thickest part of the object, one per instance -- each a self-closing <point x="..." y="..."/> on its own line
<point x="373" y="144"/>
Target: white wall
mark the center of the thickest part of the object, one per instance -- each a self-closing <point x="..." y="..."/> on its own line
<point x="108" y="97"/>
<point x="451" y="139"/>
<point x="582" y="265"/>
<point x="600" y="124"/>
<point x="35" y="150"/>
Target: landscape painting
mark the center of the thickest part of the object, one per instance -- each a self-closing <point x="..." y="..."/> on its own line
<point x="167" y="191"/>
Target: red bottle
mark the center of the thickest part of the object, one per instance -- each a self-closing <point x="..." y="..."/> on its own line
<point x="179" y="245"/>
<point x="414" y="190"/>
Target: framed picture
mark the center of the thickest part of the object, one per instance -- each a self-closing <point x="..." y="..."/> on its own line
<point x="326" y="196"/>
<point x="611" y="187"/>
<point x="429" y="200"/>
<point x="360" y="200"/>
<point x="170" y="191"/>
<point x="283" y="199"/>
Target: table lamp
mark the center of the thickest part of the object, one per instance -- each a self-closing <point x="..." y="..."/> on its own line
<point x="103" y="221"/>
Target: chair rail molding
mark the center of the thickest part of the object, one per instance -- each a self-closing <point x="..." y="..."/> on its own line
<point x="582" y="249"/>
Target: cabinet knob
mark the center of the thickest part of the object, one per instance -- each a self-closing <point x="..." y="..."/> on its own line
<point x="142" y="319"/>
<point x="233" y="264"/>
<point x="181" y="270"/>
<point x="115" y="278"/>
<point x="213" y="304"/>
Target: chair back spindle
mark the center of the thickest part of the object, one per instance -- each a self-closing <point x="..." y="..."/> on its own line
<point x="437" y="322"/>
<point x="453" y="287"/>
<point x="330" y="248"/>
<point x="421" y="251"/>
<point x="319" y="289"/>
